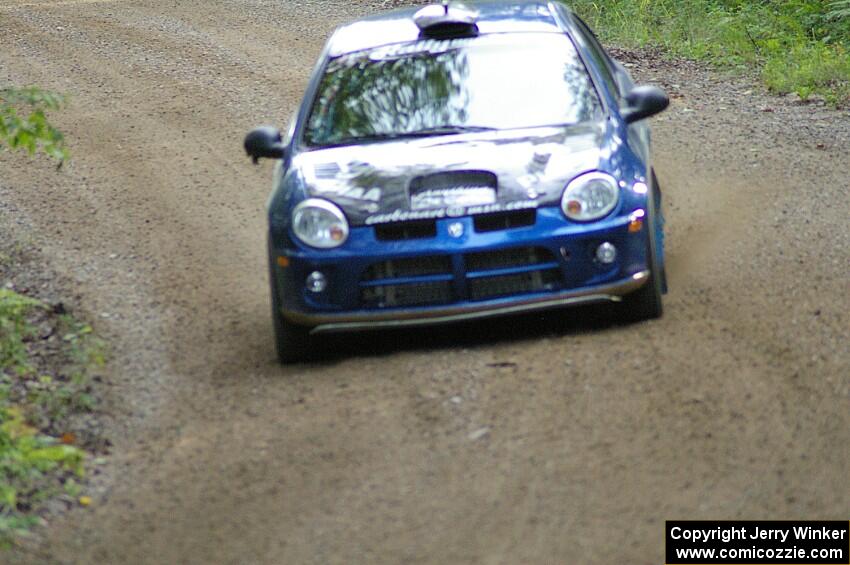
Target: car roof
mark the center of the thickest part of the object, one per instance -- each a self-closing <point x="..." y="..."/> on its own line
<point x="397" y="26"/>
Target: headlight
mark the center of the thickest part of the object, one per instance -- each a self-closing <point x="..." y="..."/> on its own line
<point x="319" y="223"/>
<point x="590" y="197"/>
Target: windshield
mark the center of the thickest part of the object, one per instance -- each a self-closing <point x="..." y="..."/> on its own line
<point x="436" y="87"/>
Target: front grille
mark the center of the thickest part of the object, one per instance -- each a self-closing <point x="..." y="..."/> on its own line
<point x="400" y="295"/>
<point x="411" y="267"/>
<point x="507" y="258"/>
<point x="381" y="287"/>
<point x="519" y="283"/>
<point x="505" y="220"/>
<point x="407" y="230"/>
<point x="524" y="259"/>
<point x="430" y="280"/>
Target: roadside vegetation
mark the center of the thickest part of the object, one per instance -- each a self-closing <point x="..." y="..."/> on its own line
<point x="24" y="124"/>
<point x="798" y="46"/>
<point x="47" y="358"/>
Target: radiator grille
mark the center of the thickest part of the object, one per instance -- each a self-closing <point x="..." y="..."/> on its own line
<point x="430" y="280"/>
<point x="406" y="230"/>
<point x="411" y="267"/>
<point x="504" y="220"/>
<point x="399" y="295"/>
<point x="519" y="283"/>
<point x="506" y="258"/>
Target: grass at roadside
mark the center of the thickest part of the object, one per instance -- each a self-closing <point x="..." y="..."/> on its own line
<point x="800" y="46"/>
<point x="46" y="357"/>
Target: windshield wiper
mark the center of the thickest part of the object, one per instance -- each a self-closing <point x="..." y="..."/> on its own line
<point x="426" y="132"/>
<point x="440" y="130"/>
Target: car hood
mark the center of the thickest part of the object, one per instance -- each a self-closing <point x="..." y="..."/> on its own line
<point x="451" y="175"/>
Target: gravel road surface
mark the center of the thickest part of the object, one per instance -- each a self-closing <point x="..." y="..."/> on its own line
<point x="554" y="439"/>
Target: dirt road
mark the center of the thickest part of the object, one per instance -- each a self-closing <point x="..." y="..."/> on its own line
<point x="541" y="440"/>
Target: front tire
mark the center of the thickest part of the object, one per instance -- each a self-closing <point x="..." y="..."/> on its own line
<point x="292" y="342"/>
<point x="646" y="302"/>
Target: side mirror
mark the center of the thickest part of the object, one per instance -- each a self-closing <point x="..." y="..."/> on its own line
<point x="264" y="142"/>
<point x="643" y="102"/>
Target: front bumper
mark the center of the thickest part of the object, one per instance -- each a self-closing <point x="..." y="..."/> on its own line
<point x="570" y="263"/>
<point x="416" y="317"/>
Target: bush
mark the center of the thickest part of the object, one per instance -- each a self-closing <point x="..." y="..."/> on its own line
<point x="24" y="124"/>
<point x="38" y="401"/>
<point x="800" y="46"/>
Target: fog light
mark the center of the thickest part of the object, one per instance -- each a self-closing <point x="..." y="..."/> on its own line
<point x="316" y="282"/>
<point x="606" y="253"/>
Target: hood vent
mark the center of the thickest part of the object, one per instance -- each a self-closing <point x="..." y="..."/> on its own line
<point x="454" y="188"/>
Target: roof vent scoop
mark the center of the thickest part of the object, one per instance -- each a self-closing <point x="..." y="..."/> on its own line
<point x="448" y="20"/>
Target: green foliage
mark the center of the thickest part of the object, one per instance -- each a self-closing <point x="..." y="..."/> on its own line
<point x="53" y="401"/>
<point x="35" y="409"/>
<point x="14" y="329"/>
<point x="24" y="124"/>
<point x="807" y="69"/>
<point x="839" y="10"/>
<point x="34" y="465"/>
<point x="85" y="349"/>
<point x="799" y="45"/>
<point x="24" y="453"/>
<point x="30" y="464"/>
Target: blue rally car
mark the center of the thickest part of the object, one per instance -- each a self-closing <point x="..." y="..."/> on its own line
<point x="456" y="162"/>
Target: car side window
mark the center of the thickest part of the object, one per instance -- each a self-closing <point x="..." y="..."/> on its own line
<point x="600" y="57"/>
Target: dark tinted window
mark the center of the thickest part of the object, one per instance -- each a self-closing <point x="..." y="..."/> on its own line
<point x="499" y="81"/>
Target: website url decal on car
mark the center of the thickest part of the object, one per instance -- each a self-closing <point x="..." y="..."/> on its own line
<point x="452" y="212"/>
